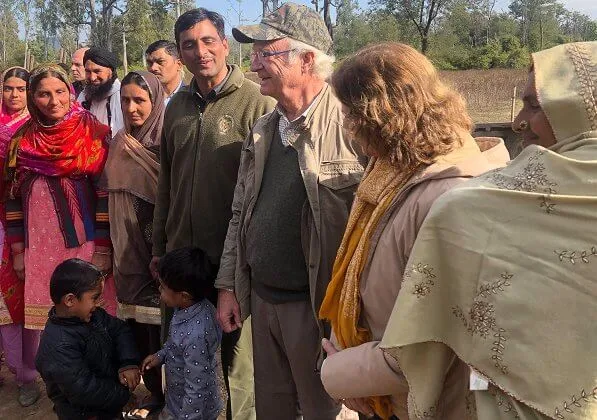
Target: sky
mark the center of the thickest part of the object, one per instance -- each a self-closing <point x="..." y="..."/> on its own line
<point x="251" y="9"/>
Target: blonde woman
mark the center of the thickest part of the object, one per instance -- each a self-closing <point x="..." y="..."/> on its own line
<point x="417" y="132"/>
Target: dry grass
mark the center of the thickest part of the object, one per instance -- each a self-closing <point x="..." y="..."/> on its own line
<point x="488" y="93"/>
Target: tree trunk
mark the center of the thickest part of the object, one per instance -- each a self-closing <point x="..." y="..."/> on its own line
<point x="327" y="4"/>
<point x="125" y="62"/>
<point x="424" y="44"/>
<point x="4" y="41"/>
<point x="93" y="19"/>
<point x="108" y="24"/>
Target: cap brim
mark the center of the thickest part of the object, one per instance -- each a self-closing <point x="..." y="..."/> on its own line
<point x="250" y="33"/>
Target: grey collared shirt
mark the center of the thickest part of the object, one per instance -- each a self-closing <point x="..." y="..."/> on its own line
<point x="288" y="128"/>
<point x="216" y="89"/>
<point x="167" y="99"/>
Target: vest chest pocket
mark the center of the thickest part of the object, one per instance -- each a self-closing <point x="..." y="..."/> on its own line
<point x="340" y="174"/>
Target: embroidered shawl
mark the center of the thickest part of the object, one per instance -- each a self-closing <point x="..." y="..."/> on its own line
<point x="502" y="273"/>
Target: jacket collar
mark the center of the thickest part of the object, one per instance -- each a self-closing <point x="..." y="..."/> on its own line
<point x="233" y="81"/>
<point x="70" y="321"/>
<point x="316" y="119"/>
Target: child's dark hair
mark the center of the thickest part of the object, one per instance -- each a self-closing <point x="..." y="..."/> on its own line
<point x="187" y="270"/>
<point x="73" y="276"/>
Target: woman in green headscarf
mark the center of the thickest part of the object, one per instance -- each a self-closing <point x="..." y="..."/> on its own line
<point x="502" y="276"/>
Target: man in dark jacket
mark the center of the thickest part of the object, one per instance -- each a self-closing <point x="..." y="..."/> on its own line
<point x="87" y="358"/>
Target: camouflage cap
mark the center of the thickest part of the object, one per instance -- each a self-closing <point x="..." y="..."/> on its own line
<point x="289" y="20"/>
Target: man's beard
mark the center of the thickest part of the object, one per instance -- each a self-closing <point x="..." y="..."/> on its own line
<point x="98" y="92"/>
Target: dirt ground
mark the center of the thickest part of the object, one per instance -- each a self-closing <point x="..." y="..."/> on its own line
<point x="42" y="409"/>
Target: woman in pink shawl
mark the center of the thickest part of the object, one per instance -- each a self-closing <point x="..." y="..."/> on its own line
<point x="13" y="102"/>
<point x="19" y="344"/>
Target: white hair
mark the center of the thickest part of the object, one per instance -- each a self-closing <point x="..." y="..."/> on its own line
<point x="323" y="64"/>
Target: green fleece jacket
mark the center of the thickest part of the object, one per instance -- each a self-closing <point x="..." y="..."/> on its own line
<point x="199" y="157"/>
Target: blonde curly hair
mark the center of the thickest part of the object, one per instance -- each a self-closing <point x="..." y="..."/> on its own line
<point x="398" y="106"/>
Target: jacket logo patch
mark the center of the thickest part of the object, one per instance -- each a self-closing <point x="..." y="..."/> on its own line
<point x="225" y="124"/>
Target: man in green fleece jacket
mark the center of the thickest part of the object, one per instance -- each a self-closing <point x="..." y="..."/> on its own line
<point x="204" y="128"/>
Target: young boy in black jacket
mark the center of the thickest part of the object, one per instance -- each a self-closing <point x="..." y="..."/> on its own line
<point x="87" y="358"/>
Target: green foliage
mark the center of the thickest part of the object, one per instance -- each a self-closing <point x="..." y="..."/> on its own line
<point x="144" y="23"/>
<point x="12" y="50"/>
<point x="455" y="34"/>
<point x="470" y="34"/>
<point x="505" y="52"/>
<point x="362" y="28"/>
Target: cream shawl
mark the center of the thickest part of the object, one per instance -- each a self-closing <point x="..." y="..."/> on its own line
<point x="504" y="271"/>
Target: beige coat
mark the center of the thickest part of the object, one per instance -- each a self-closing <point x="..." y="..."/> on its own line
<point x="331" y="169"/>
<point x="364" y="371"/>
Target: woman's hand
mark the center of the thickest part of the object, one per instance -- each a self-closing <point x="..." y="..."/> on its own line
<point x="18" y="259"/>
<point x="359" y="405"/>
<point x="102" y="259"/>
<point x="328" y="347"/>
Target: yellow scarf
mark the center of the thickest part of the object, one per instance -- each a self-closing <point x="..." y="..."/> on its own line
<point x="342" y="303"/>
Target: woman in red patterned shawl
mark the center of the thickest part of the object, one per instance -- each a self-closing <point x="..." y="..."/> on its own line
<point x="55" y="211"/>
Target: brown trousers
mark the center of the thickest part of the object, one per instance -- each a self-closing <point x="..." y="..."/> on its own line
<point x="286" y="345"/>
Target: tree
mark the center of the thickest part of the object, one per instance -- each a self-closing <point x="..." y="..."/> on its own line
<point x="48" y="24"/>
<point x="576" y="26"/>
<point x="26" y="10"/>
<point x="98" y="15"/>
<point x="268" y="6"/>
<point x="539" y="22"/>
<point x="10" y="35"/>
<point x="421" y="13"/>
<point x="327" y="16"/>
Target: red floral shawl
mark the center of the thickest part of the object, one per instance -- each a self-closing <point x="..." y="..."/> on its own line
<point x="75" y="146"/>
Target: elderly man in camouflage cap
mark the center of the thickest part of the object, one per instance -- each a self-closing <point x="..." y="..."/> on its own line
<point x="296" y="183"/>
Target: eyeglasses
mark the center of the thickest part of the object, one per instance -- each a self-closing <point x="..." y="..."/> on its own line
<point x="261" y="55"/>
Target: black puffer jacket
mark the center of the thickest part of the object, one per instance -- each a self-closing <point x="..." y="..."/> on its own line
<point x="79" y="362"/>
